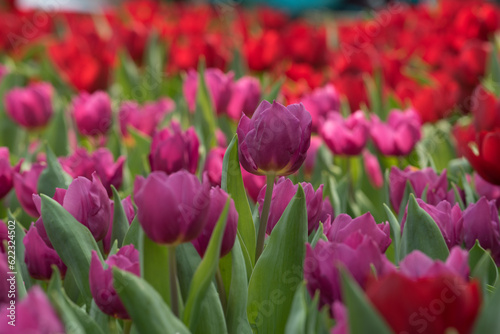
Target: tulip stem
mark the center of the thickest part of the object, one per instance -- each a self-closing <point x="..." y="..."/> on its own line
<point x="265" y="215"/>
<point x="127" y="325"/>
<point x="172" y="270"/>
<point x="221" y="289"/>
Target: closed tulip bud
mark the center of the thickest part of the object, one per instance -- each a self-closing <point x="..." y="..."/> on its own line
<point x="480" y="222"/>
<point x="252" y="183"/>
<point x="25" y="184"/>
<point x="36" y="312"/>
<point x="213" y="165"/>
<point x="88" y="202"/>
<point x="101" y="280"/>
<point x="344" y="226"/>
<point x="218" y="199"/>
<point x="7" y="172"/>
<point x="275" y="140"/>
<point x="173" y="150"/>
<point x="92" y="113"/>
<point x="59" y="198"/>
<point x="39" y="258"/>
<point x="321" y="102"/>
<point x="372" y="168"/>
<point x="283" y="192"/>
<point x="171" y="208"/>
<point x="399" y="135"/>
<point x="219" y="87"/>
<point x="31" y="106"/>
<point x="345" y="136"/>
<point x="245" y="98"/>
<point x="145" y="118"/>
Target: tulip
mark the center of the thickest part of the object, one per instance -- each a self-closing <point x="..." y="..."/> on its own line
<point x="283" y="192"/>
<point x="6" y="172"/>
<point x="486" y="189"/>
<point x="30" y="107"/>
<point x="486" y="110"/>
<point x="39" y="257"/>
<point x="312" y="155"/>
<point x="447" y="218"/>
<point x="345" y="136"/>
<point x="92" y="113"/>
<point x="358" y="254"/>
<point x="480" y="222"/>
<point x="37" y="200"/>
<point x="344" y="226"/>
<point x="25" y="185"/>
<point x="399" y="135"/>
<point x="275" y="140"/>
<point x="245" y="97"/>
<point x="327" y="213"/>
<point x="372" y="168"/>
<point x="213" y="165"/>
<point x="219" y="87"/>
<point x="437" y="186"/>
<point x="220" y="137"/>
<point x="101" y="280"/>
<point x="218" y="199"/>
<point x="34" y="314"/>
<point x="321" y="102"/>
<point x="171" y="208"/>
<point x="252" y="183"/>
<point x="88" y="202"/>
<point x="129" y="213"/>
<point x="146" y="118"/>
<point x="173" y="150"/>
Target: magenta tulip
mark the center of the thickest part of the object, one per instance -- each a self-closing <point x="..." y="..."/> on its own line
<point x="173" y="150"/>
<point x="59" y="198"/>
<point x="218" y="199"/>
<point x="128" y="207"/>
<point x="321" y="102"/>
<point x="213" y="165"/>
<point x="7" y="172"/>
<point x="486" y="189"/>
<point x="275" y="140"/>
<point x="31" y="106"/>
<point x="252" y="183"/>
<point x="345" y="136"/>
<point x="145" y="118"/>
<point x="171" y="208"/>
<point x="245" y="97"/>
<point x="92" y="113"/>
<point x="26" y="184"/>
<point x="101" y="280"/>
<point x="39" y="257"/>
<point x="372" y="169"/>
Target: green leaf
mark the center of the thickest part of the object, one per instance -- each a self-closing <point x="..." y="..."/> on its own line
<point x="488" y="320"/>
<point x="22" y="269"/>
<point x="279" y="270"/>
<point x="127" y="76"/>
<point x="482" y="265"/>
<point x="314" y="238"/>
<point x="395" y="232"/>
<point x="133" y="233"/>
<point x="137" y="152"/>
<point x="305" y="316"/>
<point x="205" y="272"/>
<point x="53" y="176"/>
<point x="422" y="233"/>
<point x="145" y="306"/>
<point x="72" y="241"/>
<point x="363" y="317"/>
<point x="120" y="221"/>
<point x="205" y="120"/>
<point x="154" y="60"/>
<point x="274" y="90"/>
<point x="232" y="183"/>
<point x="56" y="133"/>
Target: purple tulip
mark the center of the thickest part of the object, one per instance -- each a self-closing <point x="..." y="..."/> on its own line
<point x="345" y="136"/>
<point x="486" y="189"/>
<point x="358" y="254"/>
<point x="39" y="257"/>
<point x="418" y="265"/>
<point x="88" y="202"/>
<point x="220" y="137"/>
<point x="101" y="280"/>
<point x="480" y="222"/>
<point x="218" y="199"/>
<point x="321" y="102"/>
<point x="128" y="207"/>
<point x="173" y="150"/>
<point x="92" y="113"/>
<point x="399" y="135"/>
<point x="33" y="314"/>
<point x="447" y="218"/>
<point x="437" y="186"/>
<point x="146" y="118"/>
<point x="37" y="200"/>
<point x="372" y="168"/>
<point x="219" y="87"/>
<point x="7" y="172"/>
<point x="245" y="98"/>
<point x="25" y="184"/>
<point x="283" y="192"/>
<point x="344" y="226"/>
<point x="312" y="154"/>
<point x="327" y="213"/>
<point x="30" y="107"/>
<point x="275" y="140"/>
<point x="213" y="165"/>
<point x="171" y="208"/>
<point x="252" y="183"/>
